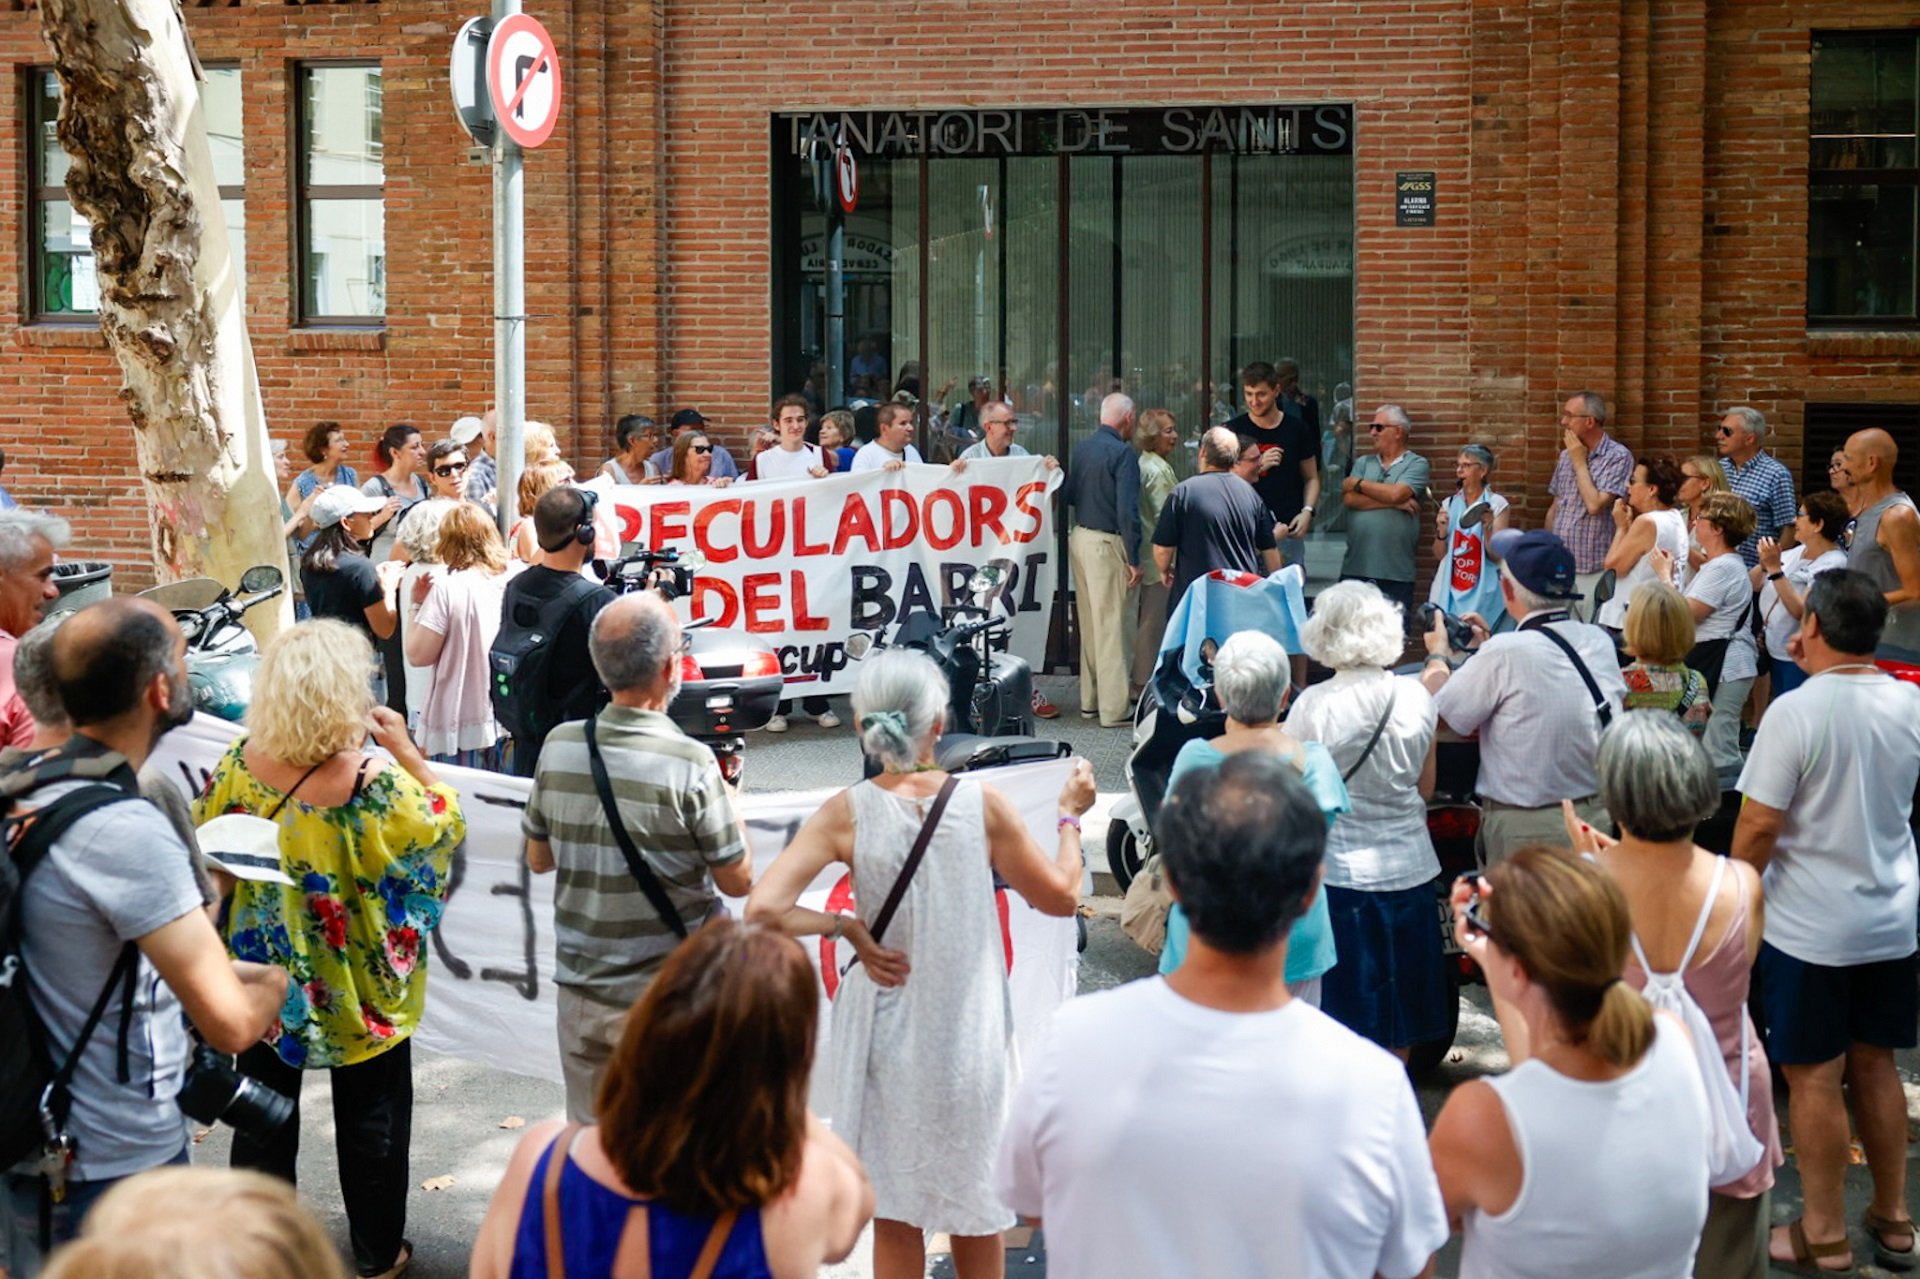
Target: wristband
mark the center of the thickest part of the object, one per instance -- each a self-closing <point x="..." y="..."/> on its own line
<point x="1066" y="821"/>
<point x="1306" y="510"/>
<point x="839" y="927"/>
<point x="1774" y="577"/>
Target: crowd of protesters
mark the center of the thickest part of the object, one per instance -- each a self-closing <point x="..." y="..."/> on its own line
<point x="1244" y="1112"/>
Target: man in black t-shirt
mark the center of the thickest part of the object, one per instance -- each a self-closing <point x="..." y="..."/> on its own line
<point x="1213" y="520"/>
<point x="573" y="689"/>
<point x="1289" y="476"/>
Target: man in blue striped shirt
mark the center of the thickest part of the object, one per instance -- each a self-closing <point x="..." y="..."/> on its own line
<point x="1758" y="477"/>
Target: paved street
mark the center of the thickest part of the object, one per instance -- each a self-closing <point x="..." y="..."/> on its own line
<point x="460" y="1109"/>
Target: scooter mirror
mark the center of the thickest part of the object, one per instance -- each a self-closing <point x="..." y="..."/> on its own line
<point x="262" y="577"/>
<point x="859" y="645"/>
<point x="985" y="578"/>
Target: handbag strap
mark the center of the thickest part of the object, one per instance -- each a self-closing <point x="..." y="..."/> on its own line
<point x="1381" y="727"/>
<point x="557" y="1156"/>
<point x="1600" y="707"/>
<point x="899" y="889"/>
<point x="716" y="1242"/>
<point x="287" y="798"/>
<point x="649" y="882"/>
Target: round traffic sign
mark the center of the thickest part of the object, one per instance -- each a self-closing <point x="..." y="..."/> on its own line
<point x="846" y="178"/>
<point x="523" y="79"/>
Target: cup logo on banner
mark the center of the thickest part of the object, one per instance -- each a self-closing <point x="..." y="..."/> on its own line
<point x="523" y="79"/>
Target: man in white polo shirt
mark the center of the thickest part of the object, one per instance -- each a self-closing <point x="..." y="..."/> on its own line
<point x="891" y="447"/>
<point x="1206" y="1122"/>
<point x="791" y="457"/>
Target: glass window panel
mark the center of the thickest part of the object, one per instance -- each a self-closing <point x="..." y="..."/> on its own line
<point x="220" y="102"/>
<point x="68" y="284"/>
<point x="343" y="126"/>
<point x="965" y="239"/>
<point x="1293" y="271"/>
<point x="52" y="170"/>
<point x="1092" y="357"/>
<point x="901" y="215"/>
<point x="1863" y="153"/>
<point x="1160" y="268"/>
<point x="1031" y="218"/>
<point x="1863" y="85"/>
<point x="1860" y="255"/>
<point x="346" y="258"/>
<point x="234" y="213"/>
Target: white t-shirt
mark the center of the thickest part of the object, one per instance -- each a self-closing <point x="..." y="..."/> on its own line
<point x="871" y="457"/>
<point x="778" y="464"/>
<point x="1382" y="844"/>
<point x="1781" y="624"/>
<point x="1156" y="1137"/>
<point x="1839" y="756"/>
<point x="1722" y="582"/>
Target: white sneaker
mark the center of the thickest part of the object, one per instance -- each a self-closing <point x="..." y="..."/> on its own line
<point x="829" y="720"/>
<point x="778" y="724"/>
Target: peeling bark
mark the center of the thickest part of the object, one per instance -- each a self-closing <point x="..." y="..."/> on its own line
<point x="170" y="307"/>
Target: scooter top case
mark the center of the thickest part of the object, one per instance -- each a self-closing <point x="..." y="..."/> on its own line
<point x="730" y="682"/>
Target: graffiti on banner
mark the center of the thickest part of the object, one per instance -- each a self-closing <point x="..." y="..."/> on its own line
<point x="490" y="991"/>
<point x="807" y="563"/>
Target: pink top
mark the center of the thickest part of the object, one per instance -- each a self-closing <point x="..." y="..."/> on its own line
<point x="16" y="722"/>
<point x="1719" y="985"/>
<point x="464" y="607"/>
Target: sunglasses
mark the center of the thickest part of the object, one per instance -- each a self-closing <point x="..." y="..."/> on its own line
<point x="701" y="448"/>
<point x="1724" y="432"/>
<point x="450" y="469"/>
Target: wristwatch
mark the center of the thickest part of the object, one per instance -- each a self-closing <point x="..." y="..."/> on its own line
<point x="1307" y="509"/>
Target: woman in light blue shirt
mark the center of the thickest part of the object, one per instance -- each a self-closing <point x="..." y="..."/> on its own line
<point x="1251" y="675"/>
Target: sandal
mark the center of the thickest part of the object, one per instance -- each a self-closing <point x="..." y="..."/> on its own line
<point x="1806" y="1254"/>
<point x="1890" y="1257"/>
<point x="400" y="1263"/>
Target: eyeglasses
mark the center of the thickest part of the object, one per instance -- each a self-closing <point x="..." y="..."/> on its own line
<point x="1836" y="466"/>
<point x="701" y="448"/>
<point x="450" y="469"/>
<point x="1724" y="432"/>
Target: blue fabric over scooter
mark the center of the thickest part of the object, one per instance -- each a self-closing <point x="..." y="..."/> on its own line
<point x="1224" y="602"/>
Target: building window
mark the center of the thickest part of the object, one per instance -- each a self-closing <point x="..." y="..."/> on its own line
<point x="61" y="278"/>
<point x="1828" y="426"/>
<point x="1864" y="179"/>
<point x="342" y="240"/>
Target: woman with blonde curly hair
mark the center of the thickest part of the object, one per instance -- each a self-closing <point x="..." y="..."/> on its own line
<point x="459" y="616"/>
<point x="367" y="844"/>
<point x="189" y="1223"/>
<point x="538" y="480"/>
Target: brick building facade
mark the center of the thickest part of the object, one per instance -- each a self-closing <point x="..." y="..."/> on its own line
<point x="1622" y="202"/>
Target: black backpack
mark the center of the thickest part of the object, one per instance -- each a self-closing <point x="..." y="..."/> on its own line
<point x="521" y="663"/>
<point x="28" y="1074"/>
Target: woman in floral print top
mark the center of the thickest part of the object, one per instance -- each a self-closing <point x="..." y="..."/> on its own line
<point x="368" y="845"/>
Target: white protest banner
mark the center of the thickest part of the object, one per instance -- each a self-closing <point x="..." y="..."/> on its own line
<point x="490" y="993"/>
<point x="808" y="562"/>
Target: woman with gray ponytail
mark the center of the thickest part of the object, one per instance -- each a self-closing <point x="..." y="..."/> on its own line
<point x="1590" y="1156"/>
<point x="921" y="1046"/>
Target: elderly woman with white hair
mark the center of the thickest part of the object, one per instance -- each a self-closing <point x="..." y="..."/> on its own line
<point x="1391" y="983"/>
<point x="1251" y="677"/>
<point x="417" y="545"/>
<point x="1699" y="916"/>
<point x="924" y="1059"/>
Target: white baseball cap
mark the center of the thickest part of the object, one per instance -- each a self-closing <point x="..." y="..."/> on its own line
<point x="245" y="846"/>
<point x="337" y="501"/>
<point x="466" y="430"/>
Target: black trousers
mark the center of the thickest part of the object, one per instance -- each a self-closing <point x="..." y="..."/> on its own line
<point x="373" y="1133"/>
<point x="814" y="706"/>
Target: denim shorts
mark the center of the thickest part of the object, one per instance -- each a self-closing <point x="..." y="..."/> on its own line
<point x="1815" y="1013"/>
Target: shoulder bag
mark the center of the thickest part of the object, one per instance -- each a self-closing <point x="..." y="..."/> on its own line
<point x="636" y="864"/>
<point x="891" y="906"/>
<point x="1367" y="751"/>
<point x="1709" y="657"/>
<point x="553" y="1239"/>
<point x="1600" y="705"/>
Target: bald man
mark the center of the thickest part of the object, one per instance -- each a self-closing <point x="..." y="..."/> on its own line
<point x="1886" y="542"/>
<point x="620" y="907"/>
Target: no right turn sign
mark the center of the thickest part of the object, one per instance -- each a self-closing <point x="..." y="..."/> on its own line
<point x="523" y="79"/>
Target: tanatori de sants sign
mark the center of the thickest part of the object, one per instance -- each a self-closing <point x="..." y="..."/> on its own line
<point x="1267" y="129"/>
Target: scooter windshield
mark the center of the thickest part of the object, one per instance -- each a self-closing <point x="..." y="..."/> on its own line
<point x="187" y="593"/>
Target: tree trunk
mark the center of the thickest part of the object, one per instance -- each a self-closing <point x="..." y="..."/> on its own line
<point x="170" y="306"/>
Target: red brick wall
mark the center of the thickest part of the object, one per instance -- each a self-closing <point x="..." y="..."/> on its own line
<point x="1621" y="201"/>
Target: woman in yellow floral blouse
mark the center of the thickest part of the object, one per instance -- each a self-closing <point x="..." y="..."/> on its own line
<point x="367" y="844"/>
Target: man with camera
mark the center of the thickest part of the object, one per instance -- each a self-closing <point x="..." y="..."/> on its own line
<point x="111" y="917"/>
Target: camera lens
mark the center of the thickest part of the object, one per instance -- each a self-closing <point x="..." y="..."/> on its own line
<point x="215" y="1092"/>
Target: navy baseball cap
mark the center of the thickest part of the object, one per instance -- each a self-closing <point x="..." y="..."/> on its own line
<point x="1539" y="561"/>
<point x="688" y="417"/>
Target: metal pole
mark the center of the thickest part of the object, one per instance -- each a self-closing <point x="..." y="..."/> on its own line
<point x="836" y="304"/>
<point x="509" y="309"/>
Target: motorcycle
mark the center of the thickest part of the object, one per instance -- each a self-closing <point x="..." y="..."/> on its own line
<point x="222" y="655"/>
<point x="990" y="691"/>
<point x="730" y="680"/>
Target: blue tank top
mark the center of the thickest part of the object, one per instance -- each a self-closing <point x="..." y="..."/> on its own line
<point x="592" y="1218"/>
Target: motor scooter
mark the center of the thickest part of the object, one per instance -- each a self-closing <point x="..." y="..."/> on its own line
<point x="222" y="655"/>
<point x="730" y="680"/>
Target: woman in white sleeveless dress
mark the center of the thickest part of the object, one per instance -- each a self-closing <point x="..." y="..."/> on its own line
<point x="921" y="1055"/>
<point x="1644" y="521"/>
<point x="1590" y="1156"/>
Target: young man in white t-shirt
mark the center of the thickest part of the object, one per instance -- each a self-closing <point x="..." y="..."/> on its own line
<point x="1829" y="797"/>
<point x="1207" y="1123"/>
<point x="791" y="457"/>
<point x="891" y="447"/>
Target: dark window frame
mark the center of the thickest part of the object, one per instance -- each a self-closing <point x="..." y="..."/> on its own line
<point x="1907" y="176"/>
<point x="39" y="194"/>
<point x="304" y="192"/>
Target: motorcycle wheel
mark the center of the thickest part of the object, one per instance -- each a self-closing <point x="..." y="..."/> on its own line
<point x="1424" y="1058"/>
<point x="1124" y="856"/>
